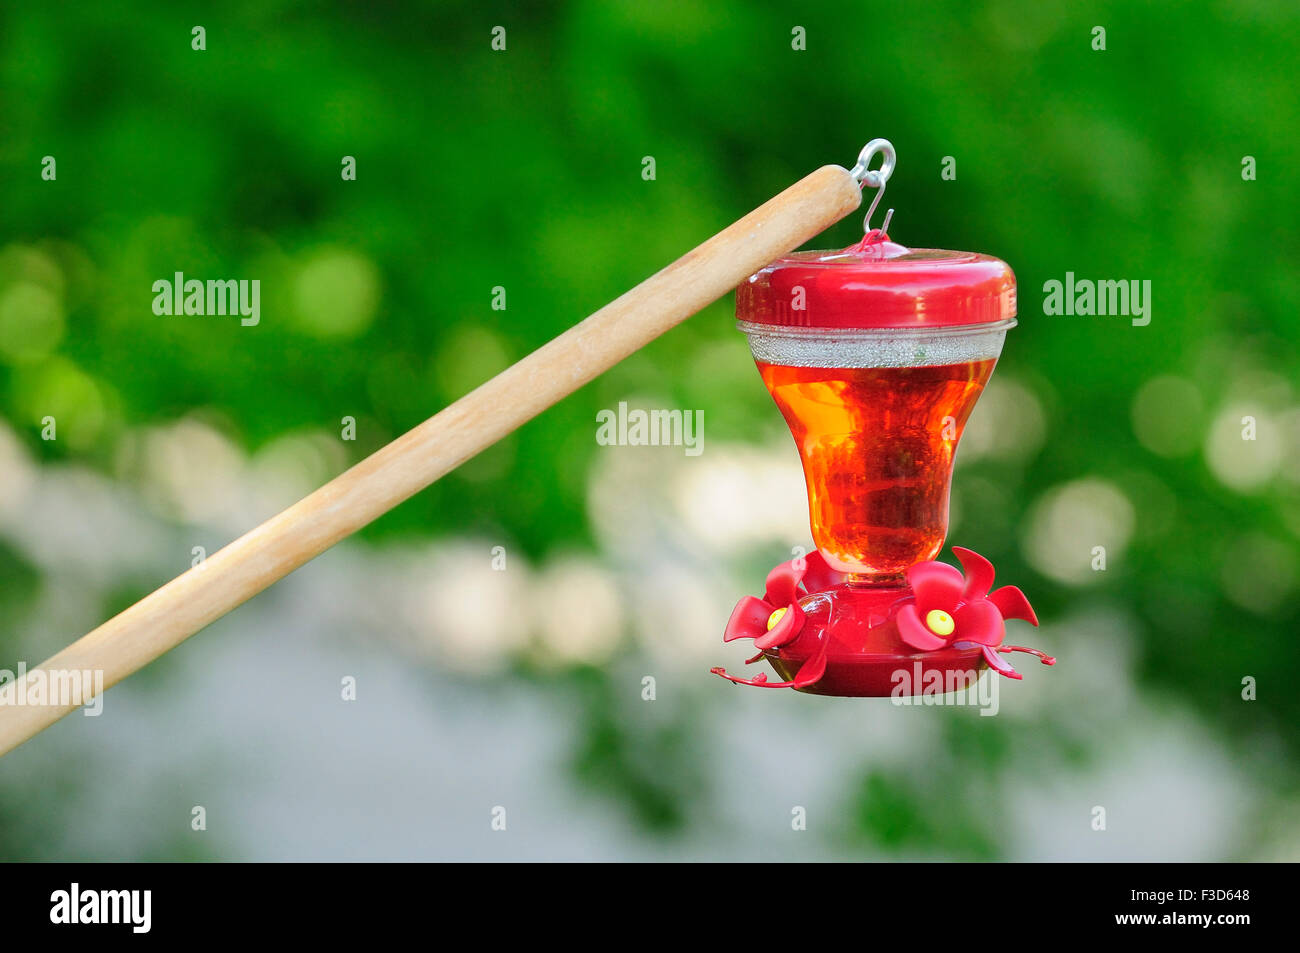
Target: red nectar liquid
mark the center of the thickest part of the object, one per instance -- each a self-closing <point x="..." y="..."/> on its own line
<point x="877" y="446"/>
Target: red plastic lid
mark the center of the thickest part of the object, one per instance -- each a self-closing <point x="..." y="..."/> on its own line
<point x="879" y="284"/>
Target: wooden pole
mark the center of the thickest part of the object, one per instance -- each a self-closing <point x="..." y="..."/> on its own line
<point x="236" y="573"/>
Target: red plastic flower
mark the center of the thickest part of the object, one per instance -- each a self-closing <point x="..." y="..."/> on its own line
<point x="777" y="618"/>
<point x="951" y="610"/>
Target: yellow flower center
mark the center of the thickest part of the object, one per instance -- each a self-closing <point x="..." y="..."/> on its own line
<point x="937" y="621"/>
<point x="774" y="618"/>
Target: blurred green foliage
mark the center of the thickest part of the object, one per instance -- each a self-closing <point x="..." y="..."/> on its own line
<point x="522" y="169"/>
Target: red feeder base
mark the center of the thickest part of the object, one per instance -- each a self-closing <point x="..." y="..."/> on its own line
<point x="857" y="640"/>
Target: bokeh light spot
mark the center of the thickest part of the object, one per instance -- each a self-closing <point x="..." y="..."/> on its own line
<point x="31" y="322"/>
<point x="60" y="389"/>
<point x="1258" y="573"/>
<point x="336" y="294"/>
<point x="1167" y="414"/>
<point x="1068" y="522"/>
<point x="579" y="611"/>
<point x="1237" y="462"/>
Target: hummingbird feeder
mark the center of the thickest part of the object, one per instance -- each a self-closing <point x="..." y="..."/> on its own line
<point x="875" y="356"/>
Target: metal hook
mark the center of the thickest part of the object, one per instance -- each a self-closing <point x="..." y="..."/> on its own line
<point x="875" y="178"/>
<point x="878" y="177"/>
<point x="871" y="210"/>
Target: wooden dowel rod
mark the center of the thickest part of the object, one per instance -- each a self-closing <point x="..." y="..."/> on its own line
<point x="236" y="573"/>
